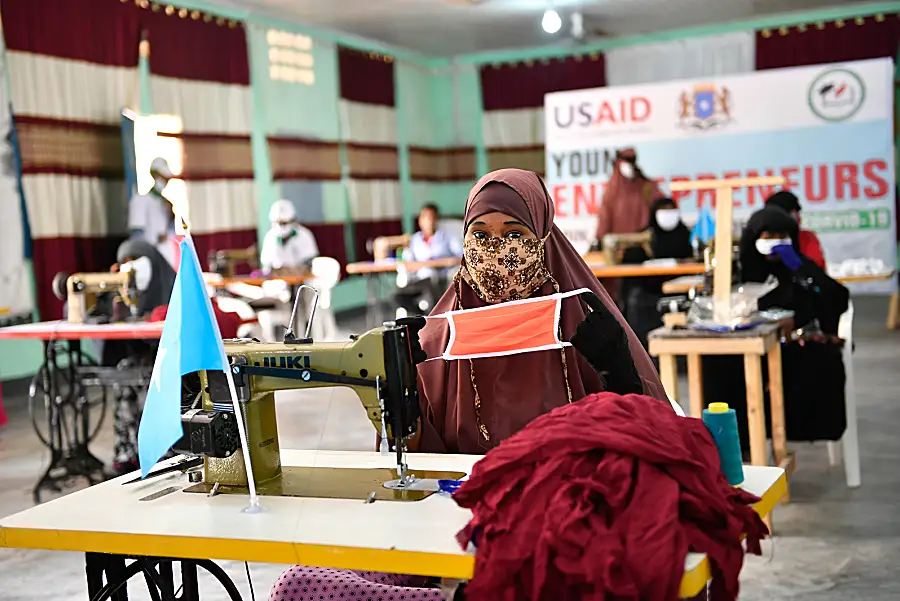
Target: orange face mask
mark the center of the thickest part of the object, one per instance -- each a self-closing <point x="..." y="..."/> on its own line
<point x="521" y="326"/>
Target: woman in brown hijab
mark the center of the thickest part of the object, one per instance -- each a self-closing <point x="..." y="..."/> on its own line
<point x="628" y="198"/>
<point x="469" y="406"/>
<point x="512" y="250"/>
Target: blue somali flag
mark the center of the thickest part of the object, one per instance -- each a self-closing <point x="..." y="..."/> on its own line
<point x="190" y="342"/>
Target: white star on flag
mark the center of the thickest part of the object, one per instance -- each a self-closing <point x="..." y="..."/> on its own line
<point x="157" y="368"/>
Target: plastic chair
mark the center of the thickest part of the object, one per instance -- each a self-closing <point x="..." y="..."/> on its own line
<point x="326" y="273"/>
<point x="850" y="440"/>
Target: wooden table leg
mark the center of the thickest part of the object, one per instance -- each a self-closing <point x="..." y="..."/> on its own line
<point x="668" y="373"/>
<point x="695" y="385"/>
<point x="776" y="409"/>
<point x="893" y="311"/>
<point x="756" y="415"/>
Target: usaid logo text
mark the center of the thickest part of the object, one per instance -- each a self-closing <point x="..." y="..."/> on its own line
<point x="607" y="112"/>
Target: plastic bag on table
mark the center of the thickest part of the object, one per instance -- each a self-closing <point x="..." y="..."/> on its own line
<point x="704" y="314"/>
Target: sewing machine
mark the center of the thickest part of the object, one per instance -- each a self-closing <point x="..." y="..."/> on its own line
<point x="225" y="261"/>
<point x="376" y="365"/>
<point x="81" y="291"/>
<point x="615" y="245"/>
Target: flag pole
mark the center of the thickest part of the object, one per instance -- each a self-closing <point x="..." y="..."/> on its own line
<point x="245" y="446"/>
<point x="254" y="506"/>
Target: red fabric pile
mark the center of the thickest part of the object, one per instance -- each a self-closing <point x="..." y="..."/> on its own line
<point x="602" y="499"/>
<point x="228" y="321"/>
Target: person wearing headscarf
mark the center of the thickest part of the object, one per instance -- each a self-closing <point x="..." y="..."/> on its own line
<point x="628" y="198"/>
<point x="812" y="368"/>
<point x="155" y="279"/>
<point x="287" y="246"/>
<point x="471" y="406"/>
<point x="810" y="246"/>
<point x="669" y="239"/>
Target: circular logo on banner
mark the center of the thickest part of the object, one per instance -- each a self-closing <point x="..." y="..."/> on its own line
<point x="836" y="94"/>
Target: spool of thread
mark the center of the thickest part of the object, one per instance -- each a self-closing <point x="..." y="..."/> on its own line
<point x="721" y="421"/>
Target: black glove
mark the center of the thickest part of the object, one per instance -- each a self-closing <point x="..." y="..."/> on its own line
<point x="601" y="339"/>
<point x="413" y="326"/>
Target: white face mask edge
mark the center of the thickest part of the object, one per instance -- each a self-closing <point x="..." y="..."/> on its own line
<point x="667" y="219"/>
<point x="766" y="246"/>
<point x="626" y="169"/>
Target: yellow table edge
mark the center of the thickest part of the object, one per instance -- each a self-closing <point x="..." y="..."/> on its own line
<point x="352" y="558"/>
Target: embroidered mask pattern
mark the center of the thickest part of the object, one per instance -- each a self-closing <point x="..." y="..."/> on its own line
<point x="501" y="270"/>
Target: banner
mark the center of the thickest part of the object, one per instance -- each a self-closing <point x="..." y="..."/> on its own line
<point x="828" y="129"/>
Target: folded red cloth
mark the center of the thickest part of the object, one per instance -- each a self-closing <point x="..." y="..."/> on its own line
<point x="602" y="499"/>
<point x="228" y="321"/>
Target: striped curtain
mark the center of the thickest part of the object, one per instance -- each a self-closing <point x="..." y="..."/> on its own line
<point x="832" y="42"/>
<point x="304" y="169"/>
<point x="441" y="159"/>
<point x="369" y="130"/>
<point x="200" y="72"/>
<point x="513" y="102"/>
<point x="71" y="71"/>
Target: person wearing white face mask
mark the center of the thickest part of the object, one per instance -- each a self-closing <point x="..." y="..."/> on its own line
<point x="628" y="198"/>
<point x="625" y="208"/>
<point x="812" y="367"/>
<point x="150" y="215"/>
<point x="670" y="239"/>
<point x="287" y="246"/>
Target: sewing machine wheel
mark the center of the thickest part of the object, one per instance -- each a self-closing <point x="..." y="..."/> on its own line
<point x="68" y="397"/>
<point x="59" y="285"/>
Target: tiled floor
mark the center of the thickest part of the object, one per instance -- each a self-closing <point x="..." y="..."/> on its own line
<point x="832" y="543"/>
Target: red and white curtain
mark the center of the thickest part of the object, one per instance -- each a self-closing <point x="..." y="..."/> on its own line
<point x="706" y="56"/>
<point x="72" y="68"/>
<point x="861" y="38"/>
<point x="369" y="130"/>
<point x="200" y="72"/>
<point x="513" y="102"/>
<point x="441" y="159"/>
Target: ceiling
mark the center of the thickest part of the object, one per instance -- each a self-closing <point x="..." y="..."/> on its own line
<point x="443" y="28"/>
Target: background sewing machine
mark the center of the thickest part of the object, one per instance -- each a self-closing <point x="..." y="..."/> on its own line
<point x="225" y="262"/>
<point x="615" y="245"/>
<point x="83" y="293"/>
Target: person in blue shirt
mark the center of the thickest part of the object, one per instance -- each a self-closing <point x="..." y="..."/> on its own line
<point x="423" y="287"/>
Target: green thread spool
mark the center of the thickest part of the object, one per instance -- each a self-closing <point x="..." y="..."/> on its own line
<point x="721" y="421"/>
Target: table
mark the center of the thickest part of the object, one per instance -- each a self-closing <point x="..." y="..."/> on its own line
<point x="372" y="269"/>
<point x="290" y="280"/>
<point x="64" y="397"/>
<point x="597" y="263"/>
<point x="754" y="344"/>
<point x="683" y="284"/>
<point x="408" y="538"/>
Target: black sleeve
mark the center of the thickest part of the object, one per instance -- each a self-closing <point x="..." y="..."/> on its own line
<point x="622" y="377"/>
<point x="830" y="297"/>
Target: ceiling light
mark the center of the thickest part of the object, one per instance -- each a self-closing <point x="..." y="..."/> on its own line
<point x="551" y="21"/>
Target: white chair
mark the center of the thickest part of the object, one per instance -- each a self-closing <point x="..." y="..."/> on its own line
<point x="326" y="273"/>
<point x="850" y="440"/>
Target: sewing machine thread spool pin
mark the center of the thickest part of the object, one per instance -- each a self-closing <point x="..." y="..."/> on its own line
<point x="289" y="337"/>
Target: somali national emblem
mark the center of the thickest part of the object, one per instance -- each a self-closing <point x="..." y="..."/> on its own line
<point x="705" y="107"/>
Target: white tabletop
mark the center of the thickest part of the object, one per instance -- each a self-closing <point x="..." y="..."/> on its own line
<point x="63" y="330"/>
<point x="404" y="537"/>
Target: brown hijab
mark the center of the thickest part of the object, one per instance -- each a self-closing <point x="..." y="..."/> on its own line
<point x="626" y="203"/>
<point x="514" y="389"/>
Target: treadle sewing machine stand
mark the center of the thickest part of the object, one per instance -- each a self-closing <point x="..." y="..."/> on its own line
<point x="68" y="439"/>
<point x="108" y="576"/>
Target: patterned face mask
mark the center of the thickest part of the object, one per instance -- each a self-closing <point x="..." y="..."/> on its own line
<point x="500" y="269"/>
